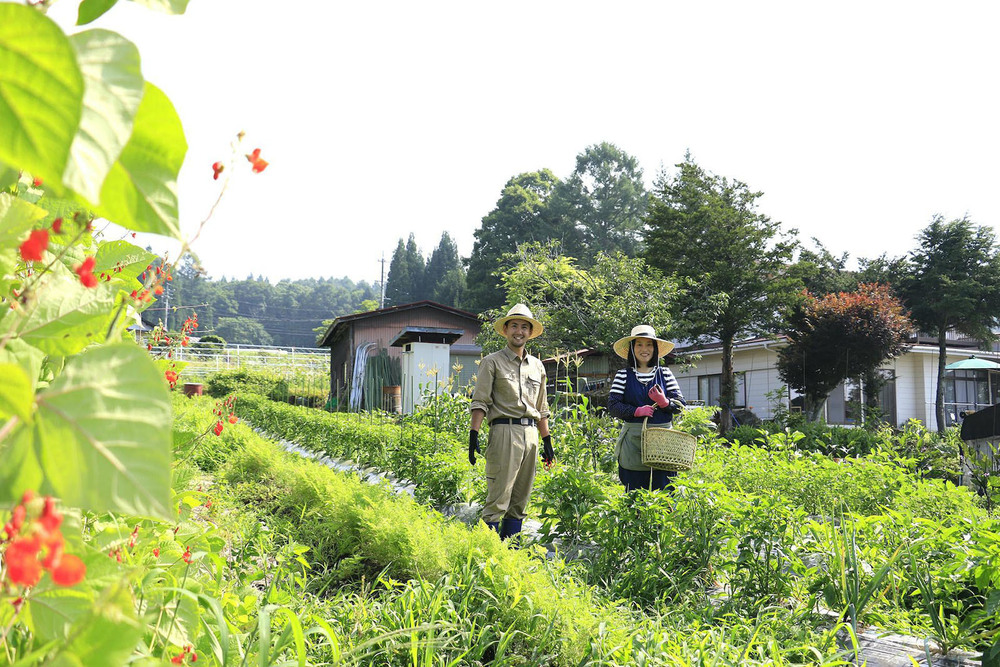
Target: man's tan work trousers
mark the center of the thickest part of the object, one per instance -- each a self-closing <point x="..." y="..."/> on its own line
<point x="510" y="471"/>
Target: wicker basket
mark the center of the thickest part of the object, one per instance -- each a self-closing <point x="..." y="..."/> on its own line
<point x="667" y="449"/>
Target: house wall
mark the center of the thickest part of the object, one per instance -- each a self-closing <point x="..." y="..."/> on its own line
<point x="915" y="379"/>
<point x="913" y="388"/>
<point x="759" y="366"/>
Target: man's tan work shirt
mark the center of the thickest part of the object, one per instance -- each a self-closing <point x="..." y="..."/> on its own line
<point x="508" y="386"/>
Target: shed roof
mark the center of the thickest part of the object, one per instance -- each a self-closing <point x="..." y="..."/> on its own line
<point x="340" y="324"/>
<point x="440" y="335"/>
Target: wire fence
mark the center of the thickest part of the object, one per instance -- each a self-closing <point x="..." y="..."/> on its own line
<point x="205" y="359"/>
<point x="305" y="371"/>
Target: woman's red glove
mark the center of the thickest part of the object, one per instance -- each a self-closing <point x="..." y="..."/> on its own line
<point x="657" y="396"/>
<point x="644" y="411"/>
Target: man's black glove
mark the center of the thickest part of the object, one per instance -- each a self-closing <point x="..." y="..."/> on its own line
<point x="473" y="446"/>
<point x="548" y="455"/>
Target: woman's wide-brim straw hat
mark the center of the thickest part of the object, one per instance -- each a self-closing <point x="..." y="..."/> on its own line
<point x="663" y="347"/>
<point x="519" y="312"/>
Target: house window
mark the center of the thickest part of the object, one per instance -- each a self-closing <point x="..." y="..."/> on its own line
<point x="710" y="388"/>
<point x="844" y="404"/>
<point x="967" y="391"/>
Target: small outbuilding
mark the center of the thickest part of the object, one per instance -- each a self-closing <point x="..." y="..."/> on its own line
<point x="433" y="344"/>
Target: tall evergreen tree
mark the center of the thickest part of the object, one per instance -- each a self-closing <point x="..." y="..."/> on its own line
<point x="952" y="282"/>
<point x="399" y="282"/>
<point x="415" y="262"/>
<point x="733" y="261"/>
<point x="520" y="216"/>
<point x="444" y="279"/>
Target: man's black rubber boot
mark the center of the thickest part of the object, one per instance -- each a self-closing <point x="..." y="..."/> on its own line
<point x="493" y="525"/>
<point x="511" y="527"/>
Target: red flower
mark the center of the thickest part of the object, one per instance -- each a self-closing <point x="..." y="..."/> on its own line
<point x="217" y="167"/>
<point x="233" y="418"/>
<point x="156" y="552"/>
<point x="69" y="571"/>
<point x="57" y="225"/>
<point x="171" y="377"/>
<point x="187" y="555"/>
<point x="254" y="158"/>
<point x="54" y="557"/>
<point x="37" y="182"/>
<point x="51" y="519"/>
<point x="178" y="659"/>
<point x="21" y="558"/>
<point x="158" y="290"/>
<point x="218" y="429"/>
<point x="86" y="272"/>
<point x="32" y="249"/>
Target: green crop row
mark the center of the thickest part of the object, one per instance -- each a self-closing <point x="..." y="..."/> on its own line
<point x="388" y="573"/>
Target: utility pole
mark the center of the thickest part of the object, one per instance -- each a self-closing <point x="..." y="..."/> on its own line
<point x="381" y="283"/>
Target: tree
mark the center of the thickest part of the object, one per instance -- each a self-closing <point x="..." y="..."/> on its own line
<point x="587" y="307"/>
<point x="731" y="260"/>
<point x="415" y="262"/>
<point x="452" y="290"/>
<point x="242" y="330"/>
<point x="822" y="272"/>
<point x="399" y="283"/>
<point x="603" y="201"/>
<point x="952" y="282"/>
<point x="520" y="216"/>
<point x="444" y="279"/>
<point x="840" y="336"/>
<point x="405" y="282"/>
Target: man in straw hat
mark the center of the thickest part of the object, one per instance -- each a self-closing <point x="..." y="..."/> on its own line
<point x="510" y="394"/>
<point x="642" y="392"/>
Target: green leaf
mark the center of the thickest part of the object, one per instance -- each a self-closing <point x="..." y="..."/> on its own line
<point x="8" y="270"/>
<point x="91" y="10"/>
<point x="8" y="176"/>
<point x="100" y="439"/>
<point x="107" y="637"/>
<point x="140" y="192"/>
<point x="69" y="317"/>
<point x="165" y="6"/>
<point x="131" y="259"/>
<point x="113" y="89"/>
<point x="27" y="357"/>
<point x="17" y="217"/>
<point x="52" y="612"/>
<point x="41" y="92"/>
<point x="16" y="395"/>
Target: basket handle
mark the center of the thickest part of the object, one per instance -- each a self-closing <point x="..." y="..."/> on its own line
<point x="644" y="420"/>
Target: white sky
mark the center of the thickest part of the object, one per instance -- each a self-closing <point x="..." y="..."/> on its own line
<point x="858" y="120"/>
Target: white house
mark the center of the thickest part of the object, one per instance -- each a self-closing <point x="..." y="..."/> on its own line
<point x="909" y="393"/>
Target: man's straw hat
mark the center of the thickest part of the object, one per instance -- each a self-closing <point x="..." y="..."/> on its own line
<point x="519" y="312"/>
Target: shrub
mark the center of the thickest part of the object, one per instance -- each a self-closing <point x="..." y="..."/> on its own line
<point x="432" y="460"/>
<point x="652" y="546"/>
<point x="565" y="497"/>
<point x="243" y="380"/>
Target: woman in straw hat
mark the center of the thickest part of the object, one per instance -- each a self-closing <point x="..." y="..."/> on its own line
<point x="642" y="391"/>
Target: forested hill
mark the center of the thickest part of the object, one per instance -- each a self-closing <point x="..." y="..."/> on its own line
<point x="255" y="311"/>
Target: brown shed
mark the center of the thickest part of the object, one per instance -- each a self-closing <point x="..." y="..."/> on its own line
<point x="377" y="330"/>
